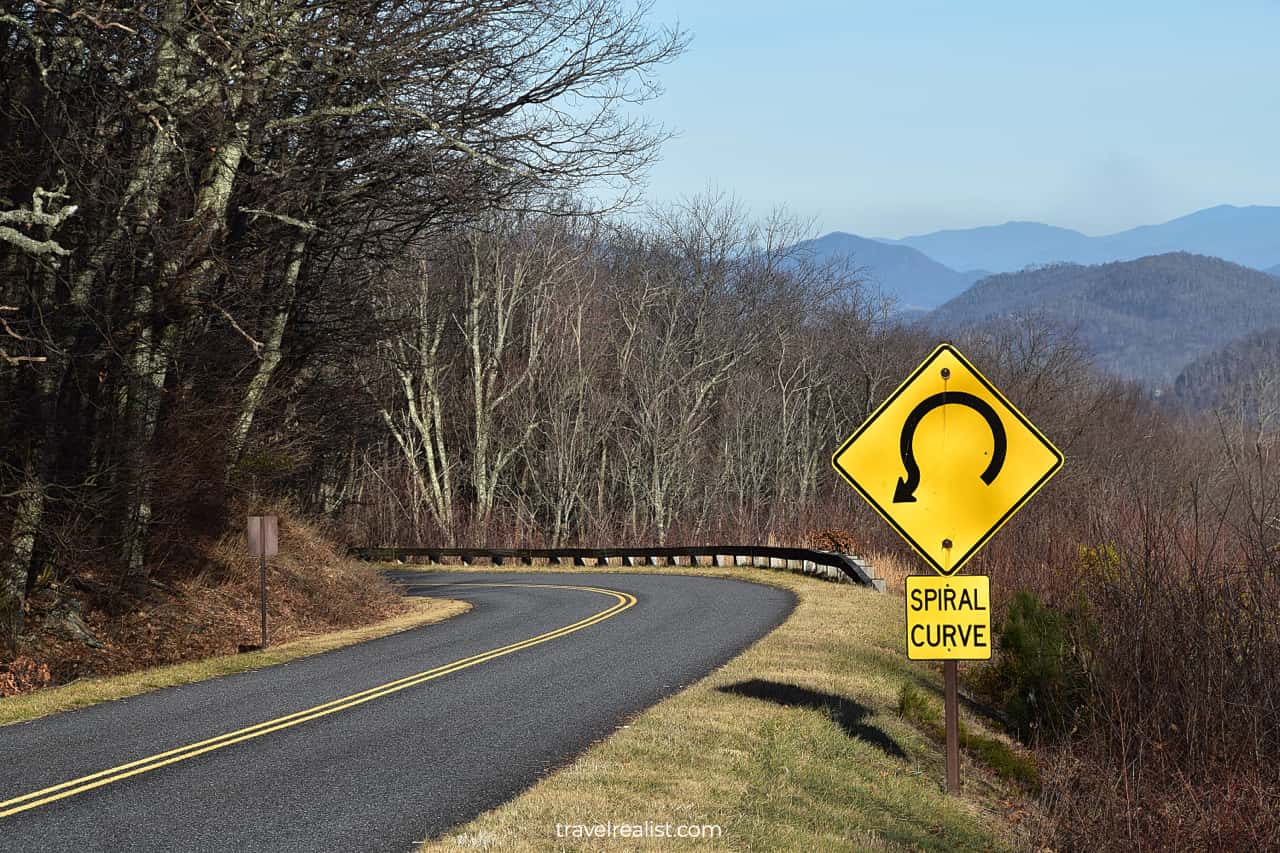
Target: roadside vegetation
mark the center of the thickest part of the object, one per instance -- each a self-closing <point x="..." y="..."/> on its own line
<point x="418" y="611"/>
<point x="190" y="625"/>
<point x="1138" y="637"/>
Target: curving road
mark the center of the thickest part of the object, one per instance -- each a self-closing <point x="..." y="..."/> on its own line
<point x="380" y="745"/>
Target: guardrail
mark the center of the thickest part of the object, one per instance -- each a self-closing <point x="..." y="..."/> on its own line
<point x="831" y="565"/>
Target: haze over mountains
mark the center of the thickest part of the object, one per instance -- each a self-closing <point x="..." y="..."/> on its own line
<point x="928" y="269"/>
<point x="912" y="278"/>
<point x="1145" y="319"/>
<point x="1249" y="236"/>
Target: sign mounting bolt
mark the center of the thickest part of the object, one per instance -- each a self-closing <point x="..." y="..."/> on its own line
<point x="946" y="373"/>
<point x="946" y="543"/>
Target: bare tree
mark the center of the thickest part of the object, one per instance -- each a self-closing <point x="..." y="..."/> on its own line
<point x="235" y="167"/>
<point x="550" y="486"/>
<point x="473" y="346"/>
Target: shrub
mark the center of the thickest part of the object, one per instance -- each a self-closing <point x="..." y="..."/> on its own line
<point x="1038" y="678"/>
<point x="1006" y="761"/>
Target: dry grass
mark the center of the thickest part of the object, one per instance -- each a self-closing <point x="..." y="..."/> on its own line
<point x="894" y="568"/>
<point x="420" y="611"/>
<point x="794" y="745"/>
<point x="202" y="604"/>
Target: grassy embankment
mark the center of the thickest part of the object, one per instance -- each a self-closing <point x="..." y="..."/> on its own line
<point x="90" y="691"/>
<point x="195" y="614"/>
<point x="819" y="737"/>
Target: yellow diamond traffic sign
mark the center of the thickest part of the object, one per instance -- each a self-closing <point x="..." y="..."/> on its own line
<point x="946" y="460"/>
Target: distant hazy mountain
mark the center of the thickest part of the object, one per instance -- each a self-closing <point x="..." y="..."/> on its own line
<point x="1249" y="236"/>
<point x="914" y="280"/>
<point x="1001" y="248"/>
<point x="1144" y="319"/>
<point x="1275" y="270"/>
<point x="1243" y="376"/>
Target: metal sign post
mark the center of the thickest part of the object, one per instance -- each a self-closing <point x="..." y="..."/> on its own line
<point x="949" y="619"/>
<point x="951" y="714"/>
<point x="264" y="541"/>
<point x="947" y="460"/>
<point x="262" y="572"/>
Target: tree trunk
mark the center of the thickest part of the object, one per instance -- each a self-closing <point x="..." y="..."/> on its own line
<point x="22" y="540"/>
<point x="149" y="365"/>
<point x="270" y="360"/>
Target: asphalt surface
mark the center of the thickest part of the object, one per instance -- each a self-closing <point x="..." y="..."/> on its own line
<point x="397" y="768"/>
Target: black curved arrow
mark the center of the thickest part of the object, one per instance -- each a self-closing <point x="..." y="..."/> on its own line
<point x="906" y="490"/>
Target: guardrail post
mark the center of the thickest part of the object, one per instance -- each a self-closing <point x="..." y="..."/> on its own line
<point x="841" y="568"/>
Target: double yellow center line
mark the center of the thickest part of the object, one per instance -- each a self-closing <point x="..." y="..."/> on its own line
<point x="44" y="796"/>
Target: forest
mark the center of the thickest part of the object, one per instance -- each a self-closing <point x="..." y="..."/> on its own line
<point x="1144" y="319"/>
<point x="349" y="260"/>
<point x="1245" y="372"/>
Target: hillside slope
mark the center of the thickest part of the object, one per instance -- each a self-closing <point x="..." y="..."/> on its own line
<point x="1242" y="377"/>
<point x="908" y="276"/>
<point x="1143" y="319"/>
<point x="200" y="606"/>
<point x="1002" y="248"/>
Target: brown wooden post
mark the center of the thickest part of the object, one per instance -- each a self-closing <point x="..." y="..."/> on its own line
<point x="952" y="715"/>
<point x="264" y="541"/>
<point x="262" y="574"/>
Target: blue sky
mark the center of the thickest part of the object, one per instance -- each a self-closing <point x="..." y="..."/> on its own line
<point x="895" y="118"/>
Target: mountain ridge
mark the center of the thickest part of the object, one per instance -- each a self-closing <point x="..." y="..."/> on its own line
<point x="999" y="248"/>
<point x="1247" y="235"/>
<point x="910" y="277"/>
<point x="1143" y="319"/>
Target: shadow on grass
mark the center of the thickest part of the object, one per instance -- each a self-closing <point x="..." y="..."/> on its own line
<point x="845" y="712"/>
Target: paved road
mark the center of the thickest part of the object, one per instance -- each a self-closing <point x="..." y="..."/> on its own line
<point x="380" y="745"/>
